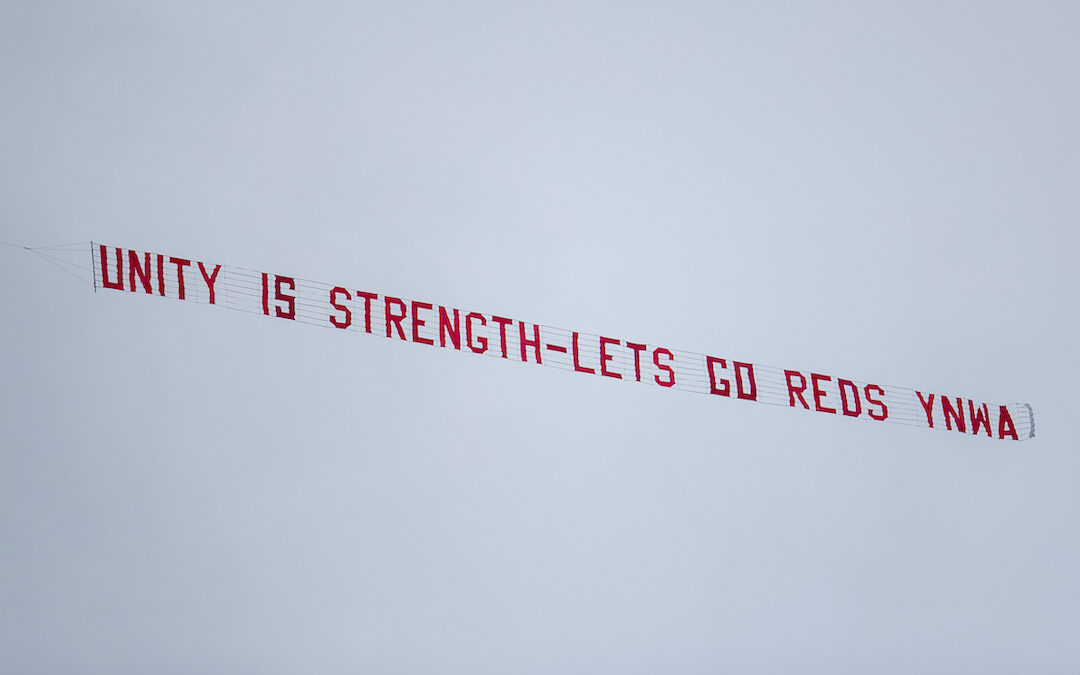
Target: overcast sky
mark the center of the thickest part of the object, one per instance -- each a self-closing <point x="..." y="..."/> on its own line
<point x="884" y="192"/>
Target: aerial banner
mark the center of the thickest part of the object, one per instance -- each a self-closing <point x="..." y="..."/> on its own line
<point x="360" y="310"/>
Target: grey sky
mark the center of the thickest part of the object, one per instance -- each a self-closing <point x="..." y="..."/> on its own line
<point x="883" y="192"/>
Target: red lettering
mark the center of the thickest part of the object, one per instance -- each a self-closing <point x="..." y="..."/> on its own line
<point x="953" y="414"/>
<point x="750" y="393"/>
<point x="793" y="390"/>
<point x="725" y="388"/>
<point x="393" y="319"/>
<point x="1005" y="425"/>
<point x="446" y="328"/>
<point x="502" y="321"/>
<point x="143" y="271"/>
<point x="670" y="382"/>
<point x="928" y="406"/>
<point x="481" y="341"/>
<point x="265" y="294"/>
<point x="417" y="322"/>
<point x="574" y="348"/>
<point x="119" y="283"/>
<point x="161" y="274"/>
<point x="180" y="263"/>
<point x="820" y="393"/>
<point x="605" y="357"/>
<point x="368" y="297"/>
<point x="280" y="296"/>
<point x="347" y="321"/>
<point x="210" y="279"/>
<point x="846" y="385"/>
<point x="870" y="400"/>
<point x="980" y="417"/>
<point x="525" y="343"/>
<point x="637" y="358"/>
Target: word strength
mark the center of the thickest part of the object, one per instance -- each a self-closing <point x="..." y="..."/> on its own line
<point x="348" y="308"/>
